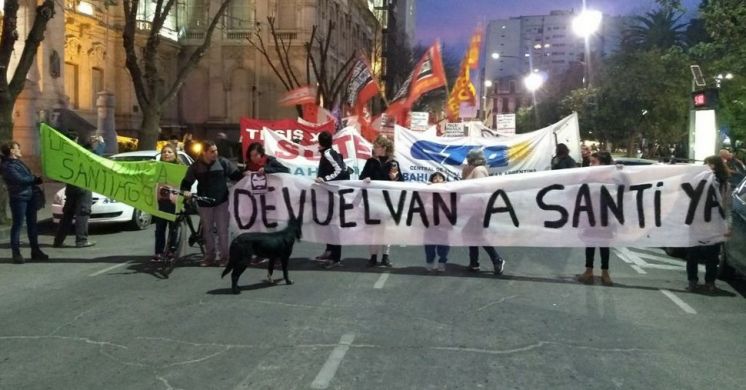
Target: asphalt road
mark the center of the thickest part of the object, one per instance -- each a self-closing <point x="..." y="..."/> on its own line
<point x="104" y="318"/>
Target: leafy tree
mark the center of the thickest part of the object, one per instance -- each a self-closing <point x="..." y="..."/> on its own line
<point x="660" y="29"/>
<point x="145" y="70"/>
<point x="9" y="91"/>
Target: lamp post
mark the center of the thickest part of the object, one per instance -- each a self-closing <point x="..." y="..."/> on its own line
<point x="585" y="25"/>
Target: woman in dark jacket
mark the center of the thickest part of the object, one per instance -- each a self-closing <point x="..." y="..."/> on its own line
<point x="381" y="166"/>
<point x="23" y="200"/>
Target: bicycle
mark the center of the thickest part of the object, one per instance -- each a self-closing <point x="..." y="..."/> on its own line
<point x="177" y="239"/>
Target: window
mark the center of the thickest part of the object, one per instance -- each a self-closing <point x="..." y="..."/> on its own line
<point x="195" y="17"/>
<point x="97" y="84"/>
<point x="239" y="15"/>
<point x="286" y="15"/>
<point x="506" y="105"/>
<point x="71" y="84"/>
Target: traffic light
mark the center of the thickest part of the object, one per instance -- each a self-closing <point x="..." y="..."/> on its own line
<point x="706" y="99"/>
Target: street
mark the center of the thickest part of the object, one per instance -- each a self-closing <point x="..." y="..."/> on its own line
<point x="105" y="318"/>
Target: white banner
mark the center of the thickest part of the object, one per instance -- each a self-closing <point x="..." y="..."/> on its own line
<point x="304" y="160"/>
<point x="643" y="206"/>
<point x="419" y="156"/>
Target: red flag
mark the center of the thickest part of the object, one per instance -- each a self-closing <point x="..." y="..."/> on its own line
<point x="362" y="85"/>
<point x="427" y="75"/>
<point x="299" y="97"/>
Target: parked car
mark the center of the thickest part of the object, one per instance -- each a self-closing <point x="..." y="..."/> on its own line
<point x="105" y="210"/>
<point x="733" y="259"/>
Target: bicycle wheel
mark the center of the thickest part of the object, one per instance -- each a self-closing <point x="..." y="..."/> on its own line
<point x="177" y="240"/>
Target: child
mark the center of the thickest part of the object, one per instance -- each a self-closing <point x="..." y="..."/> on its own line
<point x="441" y="250"/>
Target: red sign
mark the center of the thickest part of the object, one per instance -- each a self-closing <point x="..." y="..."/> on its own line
<point x="699" y="99"/>
<point x="251" y="130"/>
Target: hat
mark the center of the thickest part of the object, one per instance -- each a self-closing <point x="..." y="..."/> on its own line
<point x="476" y="157"/>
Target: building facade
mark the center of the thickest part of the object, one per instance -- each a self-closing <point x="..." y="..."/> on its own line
<point x="80" y="66"/>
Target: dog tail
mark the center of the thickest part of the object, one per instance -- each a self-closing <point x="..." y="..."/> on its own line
<point x="228" y="268"/>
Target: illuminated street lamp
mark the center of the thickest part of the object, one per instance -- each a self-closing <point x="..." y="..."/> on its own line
<point x="495" y="55"/>
<point x="533" y="81"/>
<point x="587" y="23"/>
<point x="488" y="83"/>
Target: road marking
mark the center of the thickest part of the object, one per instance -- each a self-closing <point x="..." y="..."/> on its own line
<point x="381" y="280"/>
<point x="327" y="372"/>
<point x="115" y="266"/>
<point x="629" y="258"/>
<point x="683" y="305"/>
<point x="638" y="269"/>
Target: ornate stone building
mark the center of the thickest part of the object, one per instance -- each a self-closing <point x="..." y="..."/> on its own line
<point x="80" y="64"/>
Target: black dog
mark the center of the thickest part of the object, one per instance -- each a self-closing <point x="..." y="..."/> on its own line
<point x="271" y="245"/>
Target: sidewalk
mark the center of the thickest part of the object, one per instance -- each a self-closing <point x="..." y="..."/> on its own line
<point x="45" y="214"/>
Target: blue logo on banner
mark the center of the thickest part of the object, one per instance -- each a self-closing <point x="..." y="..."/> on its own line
<point x="496" y="155"/>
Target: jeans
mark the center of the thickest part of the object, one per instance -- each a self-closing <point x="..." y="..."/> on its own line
<point x="710" y="254"/>
<point x="590" y="254"/>
<point x="20" y="210"/>
<point x="78" y="206"/>
<point x="215" y="217"/>
<point x="474" y="255"/>
<point x="441" y="250"/>
<point x="161" y="227"/>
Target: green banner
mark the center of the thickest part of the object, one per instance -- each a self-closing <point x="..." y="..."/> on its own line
<point x="135" y="183"/>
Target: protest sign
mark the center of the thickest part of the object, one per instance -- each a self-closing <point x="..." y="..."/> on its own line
<point x="651" y="206"/>
<point x="251" y="130"/>
<point x="135" y="183"/>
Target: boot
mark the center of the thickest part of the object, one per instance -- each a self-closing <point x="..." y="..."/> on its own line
<point x="373" y="261"/>
<point x="385" y="261"/>
<point x="586" y="277"/>
<point x="18" y="258"/>
<point x="37" y="254"/>
<point x="606" y="279"/>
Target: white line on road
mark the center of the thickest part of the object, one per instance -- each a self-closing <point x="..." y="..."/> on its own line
<point x="381" y="280"/>
<point x="638" y="269"/>
<point x="683" y="305"/>
<point x="629" y="258"/>
<point x="327" y="372"/>
<point x="115" y="266"/>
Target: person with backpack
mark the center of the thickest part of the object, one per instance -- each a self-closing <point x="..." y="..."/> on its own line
<point x="331" y="167"/>
<point x="212" y="173"/>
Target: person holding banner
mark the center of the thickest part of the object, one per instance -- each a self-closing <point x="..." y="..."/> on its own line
<point x="23" y="199"/>
<point x="78" y="203"/>
<point x="212" y="173"/>
<point x="441" y="250"/>
<point x="597" y="158"/>
<point x="710" y="253"/>
<point x="166" y="203"/>
<point x="381" y="166"/>
<point x="476" y="168"/>
<point x="331" y="168"/>
<point x="258" y="161"/>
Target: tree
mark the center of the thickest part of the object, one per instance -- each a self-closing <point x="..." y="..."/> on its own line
<point x="330" y="85"/>
<point x="9" y="91"/>
<point x="146" y="71"/>
<point x="657" y="29"/>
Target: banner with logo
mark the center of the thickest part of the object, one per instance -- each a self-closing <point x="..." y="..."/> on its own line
<point x="650" y="206"/>
<point x="303" y="160"/>
<point x="136" y="183"/>
<point x="420" y="156"/>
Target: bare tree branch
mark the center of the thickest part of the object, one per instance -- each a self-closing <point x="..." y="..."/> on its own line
<point x="262" y="49"/>
<point x="284" y="62"/>
<point x="342" y="76"/>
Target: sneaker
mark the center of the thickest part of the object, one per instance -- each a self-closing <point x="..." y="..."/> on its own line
<point x="156" y="258"/>
<point x="333" y="264"/>
<point x="39" y="255"/>
<point x="385" y="261"/>
<point x="373" y="261"/>
<point x="709" y="288"/>
<point x="84" y="244"/>
<point x="429" y="267"/>
<point x="57" y="245"/>
<point x="693" y="286"/>
<point x="206" y="262"/>
<point x="222" y="262"/>
<point x="473" y="268"/>
<point x="18" y="258"/>
<point x="499" y="266"/>
<point x="441" y="267"/>
<point x="323" y="256"/>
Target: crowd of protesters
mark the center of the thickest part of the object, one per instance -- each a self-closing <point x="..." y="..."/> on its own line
<point x="212" y="173"/>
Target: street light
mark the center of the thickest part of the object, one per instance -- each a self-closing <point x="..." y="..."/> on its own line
<point x="585" y="25"/>
<point x="488" y="83"/>
<point x="495" y="55"/>
<point x="533" y="81"/>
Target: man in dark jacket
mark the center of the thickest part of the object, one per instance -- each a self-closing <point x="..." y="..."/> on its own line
<point x="78" y="202"/>
<point x="212" y="173"/>
<point x="331" y="167"/>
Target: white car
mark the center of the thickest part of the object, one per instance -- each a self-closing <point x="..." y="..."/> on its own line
<point x="105" y="210"/>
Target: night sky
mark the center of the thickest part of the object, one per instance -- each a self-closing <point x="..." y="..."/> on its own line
<point x="453" y="21"/>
